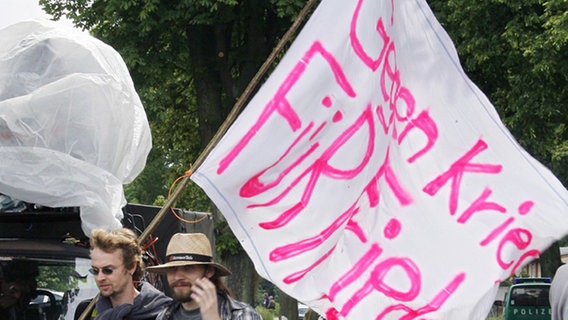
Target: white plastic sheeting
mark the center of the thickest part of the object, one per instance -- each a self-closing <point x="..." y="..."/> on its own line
<point x="72" y="127"/>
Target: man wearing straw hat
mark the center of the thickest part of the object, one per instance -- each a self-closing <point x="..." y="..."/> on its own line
<point x="195" y="280"/>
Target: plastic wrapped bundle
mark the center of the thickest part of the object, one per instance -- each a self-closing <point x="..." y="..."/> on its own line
<point x="72" y="127"/>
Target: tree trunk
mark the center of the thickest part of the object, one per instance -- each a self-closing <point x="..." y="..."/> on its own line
<point x="216" y="92"/>
<point x="288" y="306"/>
<point x="550" y="260"/>
<point x="202" y="49"/>
<point x="244" y="280"/>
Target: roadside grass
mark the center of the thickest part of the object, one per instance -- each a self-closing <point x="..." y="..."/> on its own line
<point x="268" y="314"/>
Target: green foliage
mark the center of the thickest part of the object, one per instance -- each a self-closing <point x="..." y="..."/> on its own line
<point x="149" y="184"/>
<point x="288" y="8"/>
<point x="57" y="278"/>
<point x="516" y="52"/>
<point x="226" y="242"/>
<point x="160" y="201"/>
<point x="189" y="60"/>
<point x="507" y="282"/>
<point x="267" y="314"/>
<point x="268" y="287"/>
<point x="311" y="315"/>
<point x="563" y="242"/>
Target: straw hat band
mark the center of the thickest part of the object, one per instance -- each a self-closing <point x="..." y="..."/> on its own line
<point x="188" y="257"/>
<point x="186" y="249"/>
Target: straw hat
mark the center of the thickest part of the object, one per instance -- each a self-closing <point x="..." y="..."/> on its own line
<point x="187" y="249"/>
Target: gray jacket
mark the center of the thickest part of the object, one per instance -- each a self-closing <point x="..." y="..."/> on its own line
<point x="146" y="306"/>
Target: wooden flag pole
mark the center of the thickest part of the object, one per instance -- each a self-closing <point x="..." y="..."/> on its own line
<point x="222" y="129"/>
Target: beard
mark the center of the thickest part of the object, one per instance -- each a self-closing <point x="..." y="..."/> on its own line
<point x="181" y="294"/>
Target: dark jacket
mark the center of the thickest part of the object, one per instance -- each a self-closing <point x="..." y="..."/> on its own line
<point x="146" y="306"/>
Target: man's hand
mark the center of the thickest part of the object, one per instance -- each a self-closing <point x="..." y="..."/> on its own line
<point x="204" y="293"/>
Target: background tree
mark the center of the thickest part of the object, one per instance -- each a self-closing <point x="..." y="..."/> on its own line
<point x="516" y="52"/>
<point x="288" y="306"/>
<point x="57" y="277"/>
<point x="190" y="60"/>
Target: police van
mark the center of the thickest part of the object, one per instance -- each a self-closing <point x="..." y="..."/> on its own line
<point x="527" y="299"/>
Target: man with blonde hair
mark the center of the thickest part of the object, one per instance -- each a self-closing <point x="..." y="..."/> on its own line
<point x="195" y="280"/>
<point x="116" y="261"/>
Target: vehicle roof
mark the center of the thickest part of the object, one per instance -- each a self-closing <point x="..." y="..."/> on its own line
<point x="41" y="248"/>
<point x="46" y="224"/>
<point x="56" y="232"/>
<point x="530" y="284"/>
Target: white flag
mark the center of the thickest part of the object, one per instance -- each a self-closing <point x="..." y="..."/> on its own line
<point x="371" y="179"/>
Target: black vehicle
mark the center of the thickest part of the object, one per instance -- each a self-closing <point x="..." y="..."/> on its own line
<point x="49" y="242"/>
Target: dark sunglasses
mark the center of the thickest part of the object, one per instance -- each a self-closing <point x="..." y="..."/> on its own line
<point x="106" y="271"/>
